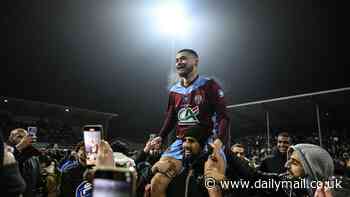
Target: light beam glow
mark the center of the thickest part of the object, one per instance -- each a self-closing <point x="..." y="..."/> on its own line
<point x="172" y="19"/>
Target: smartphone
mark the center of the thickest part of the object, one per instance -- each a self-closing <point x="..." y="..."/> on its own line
<point x="92" y="139"/>
<point x="32" y="131"/>
<point x="116" y="182"/>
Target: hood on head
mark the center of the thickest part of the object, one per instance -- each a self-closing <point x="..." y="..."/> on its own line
<point x="316" y="161"/>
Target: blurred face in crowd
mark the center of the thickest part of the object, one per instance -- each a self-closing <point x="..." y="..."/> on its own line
<point x="186" y="63"/>
<point x="238" y="151"/>
<point x="16" y="136"/>
<point x="81" y="155"/>
<point x="156" y="148"/>
<point x="294" y="166"/>
<point x="191" y="147"/>
<point x="73" y="155"/>
<point x="283" y="144"/>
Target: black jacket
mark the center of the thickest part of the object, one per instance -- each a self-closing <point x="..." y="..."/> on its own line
<point x="71" y="179"/>
<point x="274" y="163"/>
<point x="11" y="181"/>
<point x="233" y="175"/>
<point x="146" y="157"/>
<point x="347" y="172"/>
<point x="29" y="166"/>
<point x="144" y="163"/>
<point x="253" y="175"/>
<point x="190" y="182"/>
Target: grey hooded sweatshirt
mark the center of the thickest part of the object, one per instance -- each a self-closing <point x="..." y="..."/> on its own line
<point x="316" y="161"/>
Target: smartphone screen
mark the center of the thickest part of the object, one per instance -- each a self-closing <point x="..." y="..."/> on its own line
<point x="32" y="131"/>
<point x="92" y="139"/>
<point x="119" y="182"/>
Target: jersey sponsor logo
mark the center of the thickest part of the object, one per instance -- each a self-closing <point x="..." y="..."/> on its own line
<point x="198" y="99"/>
<point x="188" y="116"/>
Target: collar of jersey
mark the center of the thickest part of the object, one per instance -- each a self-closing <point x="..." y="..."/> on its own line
<point x="178" y="88"/>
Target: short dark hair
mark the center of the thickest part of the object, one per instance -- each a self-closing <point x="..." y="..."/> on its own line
<point x="120" y="146"/>
<point x="284" y="134"/>
<point x="193" y="52"/>
<point x="238" y="145"/>
<point x="78" y="146"/>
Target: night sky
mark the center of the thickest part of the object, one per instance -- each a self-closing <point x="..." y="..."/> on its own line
<point x="110" y="56"/>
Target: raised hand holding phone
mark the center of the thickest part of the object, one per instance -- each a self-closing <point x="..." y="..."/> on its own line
<point x="32" y="131"/>
<point x="92" y="140"/>
<point x="105" y="156"/>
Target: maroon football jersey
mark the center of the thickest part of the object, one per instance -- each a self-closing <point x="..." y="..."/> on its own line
<point x="202" y="102"/>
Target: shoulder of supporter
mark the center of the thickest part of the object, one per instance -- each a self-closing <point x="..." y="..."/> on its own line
<point x="69" y="166"/>
<point x="268" y="158"/>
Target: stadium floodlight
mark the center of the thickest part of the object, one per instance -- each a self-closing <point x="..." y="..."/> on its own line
<point x="172" y="19"/>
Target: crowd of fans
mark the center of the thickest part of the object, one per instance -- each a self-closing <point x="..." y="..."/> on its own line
<point x="50" y="130"/>
<point x="257" y="149"/>
<point x="52" y="171"/>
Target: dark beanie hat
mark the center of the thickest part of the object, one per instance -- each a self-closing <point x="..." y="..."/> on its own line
<point x="198" y="132"/>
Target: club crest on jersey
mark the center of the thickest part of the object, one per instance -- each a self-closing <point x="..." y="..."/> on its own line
<point x="188" y="116"/>
<point x="84" y="190"/>
<point x="198" y="99"/>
